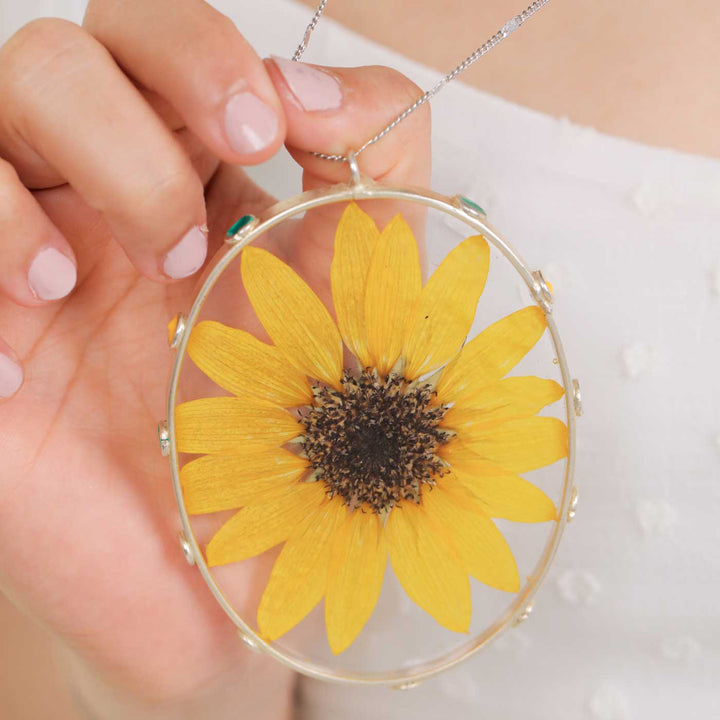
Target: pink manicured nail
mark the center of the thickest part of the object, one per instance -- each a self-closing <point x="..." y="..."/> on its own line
<point x="188" y="256"/>
<point x="52" y="275"/>
<point x="250" y="124"/>
<point x="313" y="88"/>
<point x="11" y="377"/>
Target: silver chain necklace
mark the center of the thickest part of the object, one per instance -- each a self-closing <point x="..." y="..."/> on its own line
<point x="507" y="29"/>
<point x="406" y="671"/>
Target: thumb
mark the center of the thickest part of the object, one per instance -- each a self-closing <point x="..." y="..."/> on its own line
<point x="335" y="111"/>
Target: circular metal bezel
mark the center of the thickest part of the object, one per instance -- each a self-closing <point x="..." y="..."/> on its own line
<point x="361" y="188"/>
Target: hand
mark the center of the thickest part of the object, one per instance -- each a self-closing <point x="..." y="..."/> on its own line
<point x="108" y="177"/>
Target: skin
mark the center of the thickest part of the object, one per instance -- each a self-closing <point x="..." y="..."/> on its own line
<point x="88" y="523"/>
<point x="82" y="480"/>
<point x="644" y="71"/>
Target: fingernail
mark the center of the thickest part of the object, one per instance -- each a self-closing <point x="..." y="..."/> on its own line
<point x="11" y="377"/>
<point x="188" y="256"/>
<point x="250" y="124"/>
<point x="52" y="275"/>
<point x="313" y="88"/>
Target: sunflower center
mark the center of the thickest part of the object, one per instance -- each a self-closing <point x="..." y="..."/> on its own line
<point x="375" y="441"/>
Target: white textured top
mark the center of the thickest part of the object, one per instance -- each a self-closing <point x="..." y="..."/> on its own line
<point x="627" y="626"/>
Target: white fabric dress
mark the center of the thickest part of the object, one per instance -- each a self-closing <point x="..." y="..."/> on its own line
<point x="627" y="626"/>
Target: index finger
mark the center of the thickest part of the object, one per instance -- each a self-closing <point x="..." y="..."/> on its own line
<point x="194" y="57"/>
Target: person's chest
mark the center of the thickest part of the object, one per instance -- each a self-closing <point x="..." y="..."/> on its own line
<point x="625" y="69"/>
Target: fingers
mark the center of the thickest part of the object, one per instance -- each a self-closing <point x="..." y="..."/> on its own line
<point x="194" y="57"/>
<point x="334" y="110"/>
<point x="37" y="263"/>
<point x="90" y="124"/>
<point x="11" y="374"/>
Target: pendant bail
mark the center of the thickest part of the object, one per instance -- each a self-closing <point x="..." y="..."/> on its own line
<point x="354" y="169"/>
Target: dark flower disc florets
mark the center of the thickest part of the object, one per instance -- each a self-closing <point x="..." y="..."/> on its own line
<point x="375" y="442"/>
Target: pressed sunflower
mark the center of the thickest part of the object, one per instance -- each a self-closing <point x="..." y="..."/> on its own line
<point x="409" y="455"/>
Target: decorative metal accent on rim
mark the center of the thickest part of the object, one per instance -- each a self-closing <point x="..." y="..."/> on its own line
<point x="279" y="213"/>
<point x="406" y="685"/>
<point x="355" y="178"/>
<point x="186" y="548"/>
<point x="241" y="228"/>
<point x="524" y="615"/>
<point x="577" y="398"/>
<point x="573" y="504"/>
<point x="541" y="291"/>
<point x="179" y="330"/>
<point x="164" y="437"/>
<point x="250" y="641"/>
<point x="470" y="207"/>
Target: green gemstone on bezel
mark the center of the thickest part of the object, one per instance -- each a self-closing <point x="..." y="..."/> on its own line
<point x="239" y="225"/>
<point x="473" y="205"/>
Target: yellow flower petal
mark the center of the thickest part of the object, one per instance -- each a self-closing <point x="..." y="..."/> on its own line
<point x="393" y="285"/>
<point x="519" y="445"/>
<point x="355" y="240"/>
<point x="502" y="494"/>
<point x="492" y="354"/>
<point x="443" y="315"/>
<point x="357" y="565"/>
<point x="428" y="566"/>
<point x="510" y="398"/>
<point x="257" y="528"/>
<point x="293" y="316"/>
<point x="473" y="534"/>
<point x="230" y="480"/>
<point x="241" y="364"/>
<point x="211" y="425"/>
<point x="299" y="576"/>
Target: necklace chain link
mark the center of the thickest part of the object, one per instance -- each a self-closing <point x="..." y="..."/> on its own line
<point x="507" y="29"/>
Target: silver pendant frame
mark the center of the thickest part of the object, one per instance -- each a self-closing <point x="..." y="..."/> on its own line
<point x="361" y="188"/>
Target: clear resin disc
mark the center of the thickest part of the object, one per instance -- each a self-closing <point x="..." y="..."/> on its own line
<point x="371" y="430"/>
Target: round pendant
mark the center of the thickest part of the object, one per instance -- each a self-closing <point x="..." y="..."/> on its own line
<point x="371" y="432"/>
